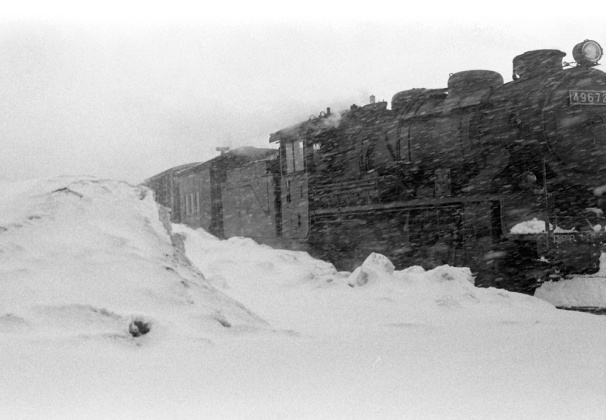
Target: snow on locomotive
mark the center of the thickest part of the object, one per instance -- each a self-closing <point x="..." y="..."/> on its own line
<point x="458" y="176"/>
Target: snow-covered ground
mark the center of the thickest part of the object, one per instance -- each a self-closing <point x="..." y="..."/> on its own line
<point x="241" y="331"/>
<point x="579" y="291"/>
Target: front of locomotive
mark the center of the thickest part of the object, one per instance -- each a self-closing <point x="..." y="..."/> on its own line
<point x="573" y="118"/>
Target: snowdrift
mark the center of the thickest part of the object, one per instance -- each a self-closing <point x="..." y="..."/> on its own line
<point x="240" y="330"/>
<point x="87" y="258"/>
<point x="258" y="276"/>
<point x="579" y="291"/>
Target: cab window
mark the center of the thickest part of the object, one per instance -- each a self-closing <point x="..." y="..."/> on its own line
<point x="295" y="156"/>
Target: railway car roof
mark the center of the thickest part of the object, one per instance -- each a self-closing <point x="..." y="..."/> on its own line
<point x="171" y="170"/>
<point x="246" y="153"/>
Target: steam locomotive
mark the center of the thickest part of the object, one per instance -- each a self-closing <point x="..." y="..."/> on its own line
<point x="446" y="176"/>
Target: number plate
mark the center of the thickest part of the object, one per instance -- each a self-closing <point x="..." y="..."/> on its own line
<point x="588" y="97"/>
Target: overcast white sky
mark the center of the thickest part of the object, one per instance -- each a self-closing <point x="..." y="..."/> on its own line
<point x="125" y="90"/>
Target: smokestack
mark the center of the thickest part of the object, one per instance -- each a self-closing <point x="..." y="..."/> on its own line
<point x="372" y="99"/>
<point x="327" y="111"/>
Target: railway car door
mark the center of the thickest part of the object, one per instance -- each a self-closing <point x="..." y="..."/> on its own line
<point x="195" y="198"/>
<point x="249" y="205"/>
<point x="482" y="231"/>
<point x="294" y="190"/>
<point x="434" y="236"/>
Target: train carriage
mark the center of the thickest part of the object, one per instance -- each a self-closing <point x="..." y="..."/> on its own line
<point x="446" y="176"/>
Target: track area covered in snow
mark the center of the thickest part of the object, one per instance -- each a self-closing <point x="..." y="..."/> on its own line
<point x="240" y="330"/>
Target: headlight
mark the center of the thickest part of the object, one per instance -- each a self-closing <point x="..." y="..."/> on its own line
<point x="587" y="53"/>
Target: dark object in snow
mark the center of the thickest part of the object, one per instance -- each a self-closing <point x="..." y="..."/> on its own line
<point x="66" y="190"/>
<point x="440" y="178"/>
<point x="138" y="328"/>
<point x="588" y="309"/>
<point x="220" y="318"/>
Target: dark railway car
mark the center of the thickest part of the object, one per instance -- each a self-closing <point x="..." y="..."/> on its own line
<point x="201" y="188"/>
<point x="446" y="176"/>
<point x="251" y="202"/>
<point x="193" y="191"/>
<point x="166" y="190"/>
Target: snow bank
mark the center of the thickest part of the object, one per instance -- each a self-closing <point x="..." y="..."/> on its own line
<point x="377" y="268"/>
<point x="579" y="291"/>
<point x="576" y="292"/>
<point x="374" y="268"/>
<point x="85" y="261"/>
<point x="444" y="294"/>
<point x="250" y="272"/>
<point x="88" y="257"/>
<point x="243" y="258"/>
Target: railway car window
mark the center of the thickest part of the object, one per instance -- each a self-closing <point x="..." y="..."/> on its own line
<point x="295" y="156"/>
<point x="192" y="203"/>
<point x="290" y="167"/>
<point x="299" y="155"/>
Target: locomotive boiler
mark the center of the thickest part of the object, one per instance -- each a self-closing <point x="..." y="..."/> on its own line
<point x="446" y="176"/>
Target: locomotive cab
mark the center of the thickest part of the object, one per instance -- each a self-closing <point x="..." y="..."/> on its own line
<point x="296" y="157"/>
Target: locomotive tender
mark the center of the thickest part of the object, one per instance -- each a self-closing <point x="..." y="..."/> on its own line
<point x="446" y="176"/>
